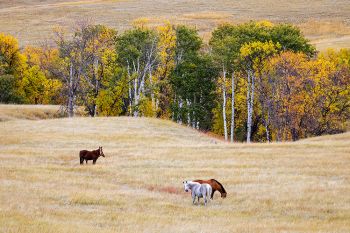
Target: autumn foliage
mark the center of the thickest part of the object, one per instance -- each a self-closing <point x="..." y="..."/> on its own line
<point x="252" y="82"/>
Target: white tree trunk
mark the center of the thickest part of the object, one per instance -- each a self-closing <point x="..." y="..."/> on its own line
<point x="194" y="115"/>
<point x="188" y="113"/>
<point x="152" y="91"/>
<point x="71" y="93"/>
<point x="267" y="123"/>
<point x="136" y="98"/>
<point x="249" y="123"/>
<point x="250" y="103"/>
<point x="173" y="112"/>
<point x="233" y="107"/>
<point x="130" y="91"/>
<point x="179" y="118"/>
<point x="224" y="102"/>
<point x="97" y="84"/>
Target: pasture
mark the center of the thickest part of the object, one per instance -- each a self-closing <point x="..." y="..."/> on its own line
<point x="299" y="186"/>
<point x="324" y="22"/>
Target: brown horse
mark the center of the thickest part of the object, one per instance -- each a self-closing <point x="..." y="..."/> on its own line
<point x="90" y="155"/>
<point x="216" y="186"/>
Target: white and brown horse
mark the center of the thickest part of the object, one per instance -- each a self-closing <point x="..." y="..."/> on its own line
<point x="198" y="190"/>
<point x="216" y="186"/>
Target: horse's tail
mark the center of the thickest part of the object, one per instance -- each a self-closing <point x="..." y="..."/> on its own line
<point x="224" y="193"/>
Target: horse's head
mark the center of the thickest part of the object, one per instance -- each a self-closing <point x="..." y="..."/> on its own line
<point x="223" y="195"/>
<point x="101" y="152"/>
<point x="186" y="186"/>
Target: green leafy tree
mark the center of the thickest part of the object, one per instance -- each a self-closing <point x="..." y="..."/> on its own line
<point x="137" y="53"/>
<point x="8" y="89"/>
<point x="225" y="50"/>
<point x="291" y="39"/>
<point x="194" y="83"/>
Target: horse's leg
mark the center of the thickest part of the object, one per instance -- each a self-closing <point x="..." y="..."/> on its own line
<point x="193" y="197"/>
<point x="212" y="194"/>
<point x="81" y="160"/>
<point x="86" y="161"/>
<point x="205" y="199"/>
<point x="94" y="161"/>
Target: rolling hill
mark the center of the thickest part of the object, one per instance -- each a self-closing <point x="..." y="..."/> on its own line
<point x="324" y="22"/>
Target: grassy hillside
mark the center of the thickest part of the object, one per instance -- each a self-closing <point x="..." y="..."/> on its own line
<point x="325" y="22"/>
<point x="285" y="187"/>
<point x="32" y="112"/>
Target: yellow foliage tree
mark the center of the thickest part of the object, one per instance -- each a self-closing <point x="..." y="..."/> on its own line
<point x="254" y="55"/>
<point x="41" y="77"/>
<point x="166" y="53"/>
<point x="11" y="60"/>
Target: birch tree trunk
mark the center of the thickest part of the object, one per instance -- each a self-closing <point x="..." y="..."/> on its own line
<point x="157" y="104"/>
<point x="267" y="122"/>
<point x="249" y="117"/>
<point x="250" y="100"/>
<point x="188" y="112"/>
<point x="96" y="94"/>
<point x="193" y="114"/>
<point x="71" y="92"/>
<point x="130" y="91"/>
<point x="152" y="91"/>
<point x="224" y="102"/>
<point x="130" y="99"/>
<point x="179" y="117"/>
<point x="233" y="107"/>
<point x="173" y="112"/>
<point x="97" y="86"/>
<point x="136" y="100"/>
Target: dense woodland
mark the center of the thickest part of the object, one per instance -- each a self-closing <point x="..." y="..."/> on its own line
<point x="255" y="81"/>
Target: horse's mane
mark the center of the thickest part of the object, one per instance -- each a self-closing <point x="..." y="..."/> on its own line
<point x="223" y="190"/>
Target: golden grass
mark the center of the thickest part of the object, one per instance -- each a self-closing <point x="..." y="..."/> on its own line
<point x="324" y="28"/>
<point x="278" y="187"/>
<point x="32" y="21"/>
<point x="32" y="112"/>
<point x="207" y="15"/>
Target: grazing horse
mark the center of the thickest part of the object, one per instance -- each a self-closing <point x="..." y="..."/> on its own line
<point x="198" y="190"/>
<point x="216" y="186"/>
<point x="90" y="155"/>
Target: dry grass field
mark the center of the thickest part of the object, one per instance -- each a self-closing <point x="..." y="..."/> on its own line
<point x="32" y="112"/>
<point x="325" y="22"/>
<point x="279" y="187"/>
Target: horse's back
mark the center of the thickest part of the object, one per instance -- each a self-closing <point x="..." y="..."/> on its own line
<point x="207" y="186"/>
<point x="206" y="189"/>
<point x="86" y="154"/>
<point x="212" y="182"/>
<point x="199" y="181"/>
<point x="218" y="186"/>
<point x="83" y="153"/>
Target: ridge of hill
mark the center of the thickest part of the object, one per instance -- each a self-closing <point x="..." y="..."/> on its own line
<point x="322" y="21"/>
<point x="9" y="112"/>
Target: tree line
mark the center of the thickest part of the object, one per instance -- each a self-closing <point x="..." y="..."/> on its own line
<point x="255" y="81"/>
